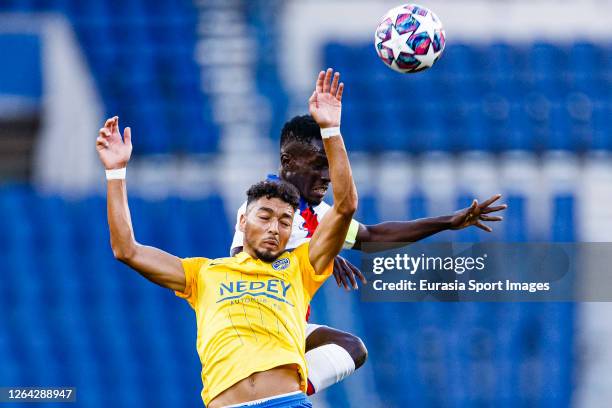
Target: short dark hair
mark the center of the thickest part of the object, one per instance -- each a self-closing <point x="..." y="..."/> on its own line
<point x="274" y="189"/>
<point x="302" y="129"/>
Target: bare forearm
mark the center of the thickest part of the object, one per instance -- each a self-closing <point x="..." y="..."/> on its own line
<point x="328" y="238"/>
<point x="343" y="186"/>
<point x="154" y="264"/>
<point x="325" y="106"/>
<point x="402" y="231"/>
<point x="119" y="220"/>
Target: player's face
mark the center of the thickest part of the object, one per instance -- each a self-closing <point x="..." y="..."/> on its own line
<point x="267" y="227"/>
<point x="308" y="171"/>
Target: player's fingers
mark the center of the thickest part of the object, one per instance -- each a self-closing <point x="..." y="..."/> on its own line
<point x="337" y="278"/>
<point x="354" y="272"/>
<point x="109" y="122"/>
<point x="319" y="87"/>
<point x="344" y="279"/>
<point x="334" y="84"/>
<point x="104" y="132"/>
<point x="483" y="227"/>
<point x="101" y="142"/>
<point x="490" y="201"/>
<point x="494" y="209"/>
<point x="347" y="287"/>
<point x="348" y="271"/>
<point x="337" y="272"/>
<point x="116" y="125"/>
<point x="327" y="80"/>
<point x="491" y="218"/>
<point x="340" y="91"/>
<point x="127" y="136"/>
<point x="360" y="275"/>
<point x="473" y="206"/>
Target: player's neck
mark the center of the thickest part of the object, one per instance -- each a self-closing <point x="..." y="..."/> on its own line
<point x="250" y="251"/>
<point x="253" y="254"/>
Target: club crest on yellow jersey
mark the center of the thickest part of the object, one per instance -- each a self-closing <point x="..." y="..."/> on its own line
<point x="280" y="264"/>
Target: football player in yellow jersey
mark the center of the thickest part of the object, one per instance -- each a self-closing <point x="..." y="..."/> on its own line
<point x="249" y="308"/>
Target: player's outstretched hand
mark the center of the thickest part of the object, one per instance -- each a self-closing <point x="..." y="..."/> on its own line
<point x="475" y="213"/>
<point x="114" y="152"/>
<point x="325" y="104"/>
<point x="345" y="273"/>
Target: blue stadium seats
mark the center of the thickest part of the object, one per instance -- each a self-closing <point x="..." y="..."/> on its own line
<point x="80" y="318"/>
<point x="417" y="205"/>
<point x="564" y="220"/>
<point x="141" y="56"/>
<point x="494" y="98"/>
<point x="460" y="354"/>
<point x="23" y="76"/>
<point x="100" y="325"/>
<point x="515" y="219"/>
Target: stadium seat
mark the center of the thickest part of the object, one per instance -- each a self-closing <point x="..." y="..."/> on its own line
<point x="131" y="80"/>
<point x="494" y="97"/>
<point x="515" y="219"/>
<point x="564" y="221"/>
<point x="417" y="205"/>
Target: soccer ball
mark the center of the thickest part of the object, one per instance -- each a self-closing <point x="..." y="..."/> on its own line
<point x="409" y="38"/>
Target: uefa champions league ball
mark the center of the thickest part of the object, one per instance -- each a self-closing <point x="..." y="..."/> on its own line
<point x="409" y="38"/>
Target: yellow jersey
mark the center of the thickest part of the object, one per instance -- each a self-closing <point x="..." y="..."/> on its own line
<point x="250" y="314"/>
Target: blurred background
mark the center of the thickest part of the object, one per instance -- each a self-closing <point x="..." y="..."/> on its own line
<point x="520" y="103"/>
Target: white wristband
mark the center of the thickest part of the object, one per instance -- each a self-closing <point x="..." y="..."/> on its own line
<point x="115" y="174"/>
<point x="326" y="133"/>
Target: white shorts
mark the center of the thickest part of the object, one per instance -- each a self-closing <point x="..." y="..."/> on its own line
<point x="310" y="327"/>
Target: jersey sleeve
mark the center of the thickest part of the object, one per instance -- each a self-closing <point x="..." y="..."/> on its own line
<point x="238" y="235"/>
<point x="351" y="235"/>
<point x="312" y="282"/>
<point x="192" y="267"/>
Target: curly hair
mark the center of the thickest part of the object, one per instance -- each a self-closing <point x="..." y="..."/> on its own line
<point x="302" y="129"/>
<point x="274" y="189"/>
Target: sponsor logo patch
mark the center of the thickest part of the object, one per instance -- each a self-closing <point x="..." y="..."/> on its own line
<point x="280" y="264"/>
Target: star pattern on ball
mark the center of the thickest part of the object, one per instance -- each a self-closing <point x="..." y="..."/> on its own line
<point x="409" y="39"/>
<point x="427" y="24"/>
<point x="428" y="59"/>
<point x="398" y="42"/>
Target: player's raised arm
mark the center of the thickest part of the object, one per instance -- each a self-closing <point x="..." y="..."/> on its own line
<point x="325" y="106"/>
<point x="154" y="264"/>
<point x="403" y="232"/>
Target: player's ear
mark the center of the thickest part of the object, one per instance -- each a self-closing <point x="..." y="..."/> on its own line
<point x="286" y="160"/>
<point x="242" y="222"/>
